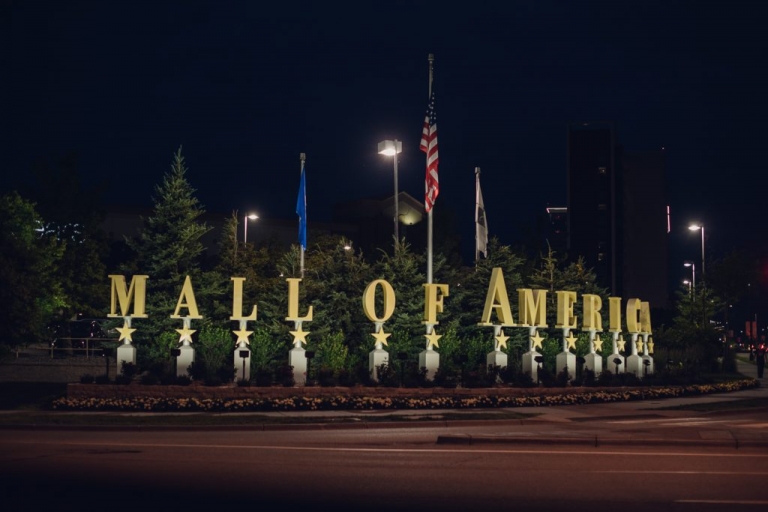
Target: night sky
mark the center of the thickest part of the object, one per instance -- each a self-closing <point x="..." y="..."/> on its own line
<point x="245" y="87"/>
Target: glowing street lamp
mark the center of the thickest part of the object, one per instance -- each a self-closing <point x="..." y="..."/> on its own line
<point x="392" y="148"/>
<point x="251" y="216"/>
<point x="687" y="282"/>
<point x="696" y="227"/>
<point x="693" y="273"/>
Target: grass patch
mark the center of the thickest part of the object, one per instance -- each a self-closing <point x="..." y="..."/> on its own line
<point x="29" y="395"/>
<point x="729" y="405"/>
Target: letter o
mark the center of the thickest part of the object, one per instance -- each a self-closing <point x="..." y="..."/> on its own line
<point x="369" y="300"/>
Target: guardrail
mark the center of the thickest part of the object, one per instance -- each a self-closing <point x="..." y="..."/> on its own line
<point x="90" y="346"/>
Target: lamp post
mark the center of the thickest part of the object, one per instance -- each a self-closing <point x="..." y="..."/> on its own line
<point x="688" y="283"/>
<point x="392" y="148"/>
<point x="693" y="273"/>
<point x="696" y="227"/>
<point x="251" y="216"/>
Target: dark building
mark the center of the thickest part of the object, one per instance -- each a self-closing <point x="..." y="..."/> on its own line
<point x="556" y="232"/>
<point x="617" y="213"/>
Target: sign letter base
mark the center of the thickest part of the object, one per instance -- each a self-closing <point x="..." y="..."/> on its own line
<point x="184" y="360"/>
<point x="298" y="359"/>
<point x="377" y="358"/>
<point x="125" y="354"/>
<point x="530" y="365"/>
<point x="496" y="358"/>
<point x="566" y="360"/>
<point x="430" y="360"/>
<point x="594" y="362"/>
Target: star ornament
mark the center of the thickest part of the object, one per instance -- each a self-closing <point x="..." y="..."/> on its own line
<point x="242" y="335"/>
<point x="536" y="340"/>
<point x="185" y="334"/>
<point x="639" y="345"/>
<point x="300" y="335"/>
<point x="620" y="343"/>
<point x="650" y="346"/>
<point x="501" y="339"/>
<point x="597" y="342"/>
<point x="381" y="337"/>
<point x="432" y="339"/>
<point x="125" y="333"/>
<point x="571" y="340"/>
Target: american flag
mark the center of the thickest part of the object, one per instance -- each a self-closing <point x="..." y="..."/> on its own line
<point x="429" y="146"/>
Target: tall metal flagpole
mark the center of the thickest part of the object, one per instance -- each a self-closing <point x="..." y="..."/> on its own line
<point x="477" y="205"/>
<point x="303" y="158"/>
<point x="431" y="59"/>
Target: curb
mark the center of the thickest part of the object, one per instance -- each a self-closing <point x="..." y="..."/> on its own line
<point x="264" y="427"/>
<point x="467" y="439"/>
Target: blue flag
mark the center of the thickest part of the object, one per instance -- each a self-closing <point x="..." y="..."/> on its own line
<point x="301" y="210"/>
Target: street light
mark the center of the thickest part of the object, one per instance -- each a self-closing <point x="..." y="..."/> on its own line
<point x="693" y="273"/>
<point x="696" y="227"/>
<point x="392" y="148"/>
<point x="687" y="282"/>
<point x="251" y="216"/>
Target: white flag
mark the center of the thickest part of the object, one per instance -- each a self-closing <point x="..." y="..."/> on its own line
<point x="481" y="223"/>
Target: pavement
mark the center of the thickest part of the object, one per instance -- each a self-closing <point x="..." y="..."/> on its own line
<point x="651" y="422"/>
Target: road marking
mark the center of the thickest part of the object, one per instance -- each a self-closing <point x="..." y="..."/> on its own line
<point x="725" y="502"/>
<point x="113" y="444"/>
<point x="662" y="420"/>
<point x="702" y="422"/>
<point x="655" y="472"/>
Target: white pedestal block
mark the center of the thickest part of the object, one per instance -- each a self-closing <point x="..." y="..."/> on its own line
<point x="126" y="353"/>
<point x="430" y="360"/>
<point x="184" y="360"/>
<point x="647" y="369"/>
<point x="593" y="362"/>
<point x="635" y="365"/>
<point x="611" y="366"/>
<point x="566" y="359"/>
<point x="530" y="365"/>
<point x="377" y="358"/>
<point x="298" y="359"/>
<point x="242" y="364"/>
<point x="497" y="358"/>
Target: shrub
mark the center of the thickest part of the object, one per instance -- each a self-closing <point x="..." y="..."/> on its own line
<point x="346" y="378"/>
<point x="149" y="379"/>
<point x="123" y="379"/>
<point x="524" y="380"/>
<point x="86" y="379"/>
<point x="285" y="376"/>
<point x="263" y="377"/>
<point x="182" y="380"/>
<point x="326" y="377"/>
<point x="387" y="376"/>
<point x="101" y="379"/>
<point x="563" y="378"/>
<point x="243" y="383"/>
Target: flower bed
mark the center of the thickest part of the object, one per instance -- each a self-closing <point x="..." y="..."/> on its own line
<point x="89" y="397"/>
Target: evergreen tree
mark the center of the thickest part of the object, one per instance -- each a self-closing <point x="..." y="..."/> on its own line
<point x="73" y="214"/>
<point x="403" y="271"/>
<point x="30" y="287"/>
<point x="168" y="249"/>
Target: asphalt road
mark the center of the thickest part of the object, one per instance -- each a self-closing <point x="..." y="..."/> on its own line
<point x="374" y="469"/>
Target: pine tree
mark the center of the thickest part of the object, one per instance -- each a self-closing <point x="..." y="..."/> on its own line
<point x="168" y="249"/>
<point x="30" y="287"/>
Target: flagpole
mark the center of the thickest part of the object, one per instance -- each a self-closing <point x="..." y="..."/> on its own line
<point x="431" y="59"/>
<point x="477" y="197"/>
<point x="303" y="158"/>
